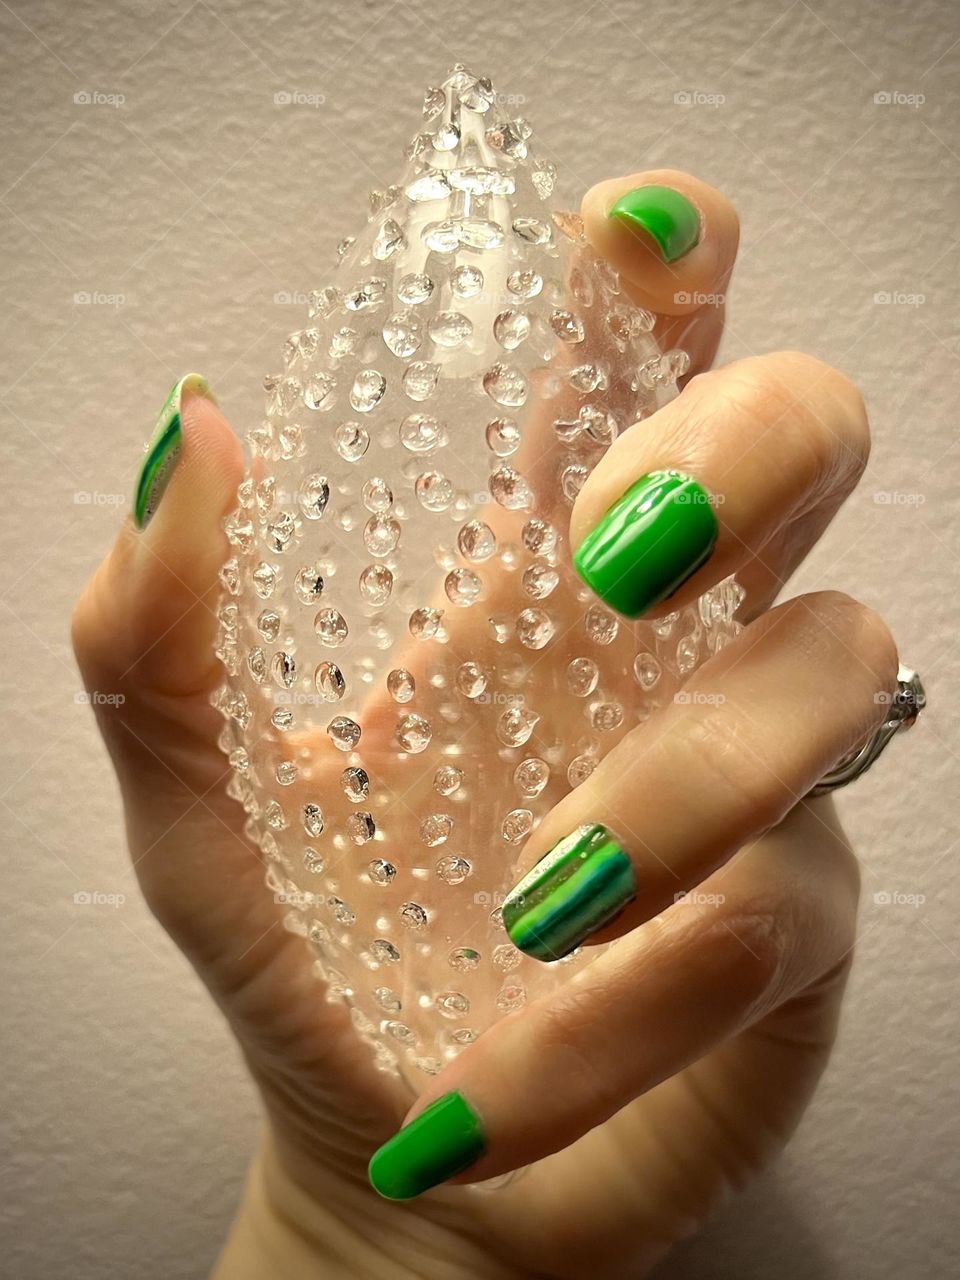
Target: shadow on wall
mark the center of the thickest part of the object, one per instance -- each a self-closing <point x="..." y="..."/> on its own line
<point x="753" y="1238"/>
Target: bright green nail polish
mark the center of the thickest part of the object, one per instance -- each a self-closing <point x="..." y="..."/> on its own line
<point x="440" y="1142"/>
<point x="664" y="214"/>
<point x="649" y="543"/>
<point x="580" y="885"/>
<point x="164" y="449"/>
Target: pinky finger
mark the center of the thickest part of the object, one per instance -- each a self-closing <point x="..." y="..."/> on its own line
<point x="768" y="926"/>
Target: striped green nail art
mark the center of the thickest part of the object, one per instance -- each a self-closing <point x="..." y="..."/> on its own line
<point x="164" y="449"/>
<point x="579" y="886"/>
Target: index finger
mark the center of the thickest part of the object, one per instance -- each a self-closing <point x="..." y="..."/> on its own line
<point x="673" y="239"/>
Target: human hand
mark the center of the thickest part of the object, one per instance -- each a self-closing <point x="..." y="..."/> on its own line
<point x="677" y="1062"/>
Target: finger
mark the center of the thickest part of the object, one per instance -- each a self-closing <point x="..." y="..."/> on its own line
<point x="144" y="629"/>
<point x="673" y="239"/>
<point x="145" y="625"/>
<point x="748" y="736"/>
<point x="740" y="474"/>
<point x="772" y="924"/>
<point x="681" y="294"/>
<point x="147" y="617"/>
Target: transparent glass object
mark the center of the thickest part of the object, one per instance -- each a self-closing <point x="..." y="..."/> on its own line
<point x="414" y="673"/>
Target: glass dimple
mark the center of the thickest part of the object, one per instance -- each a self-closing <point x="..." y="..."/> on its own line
<point x="355" y="784"/>
<point x="435" y="829"/>
<point x="447" y="779"/>
<point x="401" y="685"/>
<point x="329" y="682"/>
<point x="402" y="333"/>
<point x="531" y="776"/>
<point x="414" y="733"/>
<point x="331" y="627"/>
<point x="476" y="540"/>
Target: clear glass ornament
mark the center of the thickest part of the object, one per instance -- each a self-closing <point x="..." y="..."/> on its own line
<point x="414" y="673"/>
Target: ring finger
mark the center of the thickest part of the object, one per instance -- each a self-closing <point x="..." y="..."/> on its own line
<point x="748" y="736"/>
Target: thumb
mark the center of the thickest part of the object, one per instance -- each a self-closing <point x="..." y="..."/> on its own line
<point x="144" y="631"/>
<point x="147" y="618"/>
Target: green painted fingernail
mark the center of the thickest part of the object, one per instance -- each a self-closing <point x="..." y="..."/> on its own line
<point x="664" y="214"/>
<point x="439" y="1143"/>
<point x="579" y="886"/>
<point x="653" y="538"/>
<point x="164" y="449"/>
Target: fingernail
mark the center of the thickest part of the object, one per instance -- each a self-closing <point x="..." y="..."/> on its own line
<point x="579" y="886"/>
<point x="664" y="214"/>
<point x="653" y="538"/>
<point x="163" y="450"/>
<point x="439" y="1143"/>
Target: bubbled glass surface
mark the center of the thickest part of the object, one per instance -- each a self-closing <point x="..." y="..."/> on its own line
<point x="414" y="673"/>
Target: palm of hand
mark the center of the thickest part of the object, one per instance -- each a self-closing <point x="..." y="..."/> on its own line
<point x="625" y="1191"/>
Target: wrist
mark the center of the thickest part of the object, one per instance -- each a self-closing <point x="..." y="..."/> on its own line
<point x="340" y="1231"/>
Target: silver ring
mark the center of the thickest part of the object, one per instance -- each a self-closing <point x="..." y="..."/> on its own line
<point x="905" y="705"/>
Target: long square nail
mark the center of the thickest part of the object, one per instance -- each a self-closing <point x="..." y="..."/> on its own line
<point x="163" y="451"/>
<point x="442" y="1141"/>
<point x="653" y="538"/>
<point x="574" y="890"/>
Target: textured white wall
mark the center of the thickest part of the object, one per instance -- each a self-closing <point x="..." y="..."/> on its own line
<point x="128" y="1117"/>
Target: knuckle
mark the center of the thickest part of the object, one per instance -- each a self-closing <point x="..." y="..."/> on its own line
<point x="833" y="417"/>
<point x="86" y="631"/>
<point x="862" y="635"/>
<point x="102" y="625"/>
<point x="749" y="948"/>
<point x="716" y="743"/>
<point x="571" y="1035"/>
<point x="817" y="412"/>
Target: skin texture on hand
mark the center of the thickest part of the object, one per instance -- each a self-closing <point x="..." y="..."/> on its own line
<point x="720" y="1072"/>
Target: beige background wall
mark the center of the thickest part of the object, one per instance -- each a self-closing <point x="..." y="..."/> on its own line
<point x="184" y="210"/>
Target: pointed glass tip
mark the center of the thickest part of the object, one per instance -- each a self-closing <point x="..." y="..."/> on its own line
<point x="448" y="106"/>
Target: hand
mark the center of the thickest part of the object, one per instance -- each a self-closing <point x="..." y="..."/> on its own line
<point x="677" y="1062"/>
